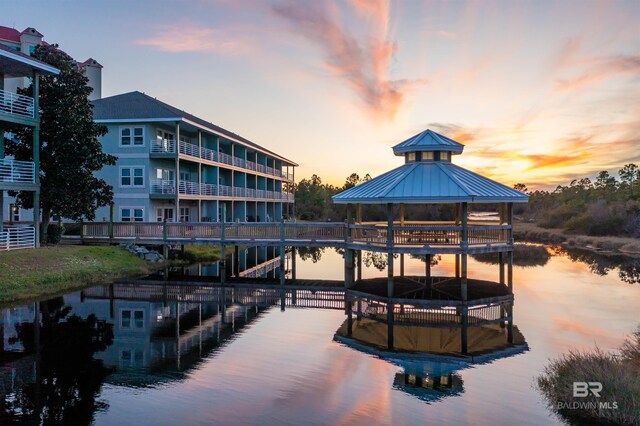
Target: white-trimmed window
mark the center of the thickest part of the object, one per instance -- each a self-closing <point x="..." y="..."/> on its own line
<point x="131" y="214"/>
<point x="132" y="177"/>
<point x="132" y="319"/>
<point x="132" y="136"/>
<point x="15" y="213"/>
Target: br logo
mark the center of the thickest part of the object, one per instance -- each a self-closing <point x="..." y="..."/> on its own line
<point x="582" y="389"/>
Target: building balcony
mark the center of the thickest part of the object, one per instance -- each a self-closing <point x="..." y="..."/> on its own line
<point x="16" y="105"/>
<point x="168" y="187"/>
<point x="18" y="172"/>
<point x="193" y="151"/>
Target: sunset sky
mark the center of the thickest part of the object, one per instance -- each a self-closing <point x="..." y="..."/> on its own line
<point x="539" y="91"/>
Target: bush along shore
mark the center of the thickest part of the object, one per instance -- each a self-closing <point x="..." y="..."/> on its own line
<point x="615" y="378"/>
<point x="36" y="273"/>
<point x="530" y="232"/>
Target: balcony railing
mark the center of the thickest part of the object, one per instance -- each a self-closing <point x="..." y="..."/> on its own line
<point x="19" y="237"/>
<point x="17" y="171"/>
<point x="20" y="105"/>
<point x="191" y="150"/>
<point x="163" y="147"/>
<point x="168" y="187"/>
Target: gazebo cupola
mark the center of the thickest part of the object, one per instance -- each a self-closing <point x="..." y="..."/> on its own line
<point x="428" y="146"/>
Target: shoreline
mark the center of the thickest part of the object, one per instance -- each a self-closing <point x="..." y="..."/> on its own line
<point x="530" y="232"/>
<point x="33" y="274"/>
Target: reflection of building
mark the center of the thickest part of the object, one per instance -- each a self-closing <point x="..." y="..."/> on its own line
<point x="429" y="351"/>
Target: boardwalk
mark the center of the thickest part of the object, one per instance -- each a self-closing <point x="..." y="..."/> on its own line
<point x="422" y="238"/>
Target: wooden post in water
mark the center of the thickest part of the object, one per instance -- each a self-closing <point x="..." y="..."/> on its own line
<point x="165" y="245"/>
<point x="390" y="305"/>
<point x="293" y="263"/>
<point x="282" y="258"/>
<point x="236" y="261"/>
<point x="463" y="279"/>
<point x="223" y="262"/>
<point x="501" y="266"/>
<point x="427" y="271"/>
<point x="402" y="264"/>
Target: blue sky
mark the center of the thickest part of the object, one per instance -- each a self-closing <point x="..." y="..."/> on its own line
<point x="539" y="91"/>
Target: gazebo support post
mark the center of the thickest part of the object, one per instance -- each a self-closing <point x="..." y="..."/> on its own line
<point x="359" y="255"/>
<point x="390" y="318"/>
<point x="463" y="280"/>
<point x="427" y="271"/>
<point x="359" y="213"/>
<point x="510" y="272"/>
<point x="293" y="263"/>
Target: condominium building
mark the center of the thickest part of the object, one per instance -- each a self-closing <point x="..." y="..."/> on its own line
<point x="24" y="43"/>
<point x="174" y="166"/>
<point x="20" y="110"/>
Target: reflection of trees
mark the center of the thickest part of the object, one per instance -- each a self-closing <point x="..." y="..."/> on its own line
<point x="68" y="379"/>
<point x="311" y="253"/>
<point x="435" y="259"/>
<point x="376" y="259"/>
<point x="599" y="264"/>
<point x="523" y="255"/>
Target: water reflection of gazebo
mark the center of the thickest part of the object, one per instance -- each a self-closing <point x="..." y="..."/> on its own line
<point x="428" y="176"/>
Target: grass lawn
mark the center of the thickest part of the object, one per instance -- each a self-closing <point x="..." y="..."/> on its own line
<point x="204" y="253"/>
<point x="34" y="273"/>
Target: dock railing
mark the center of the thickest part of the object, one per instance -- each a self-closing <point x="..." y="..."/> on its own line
<point x="420" y="236"/>
<point x="17" y="237"/>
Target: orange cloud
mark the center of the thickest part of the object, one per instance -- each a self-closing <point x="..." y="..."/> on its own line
<point x="364" y="65"/>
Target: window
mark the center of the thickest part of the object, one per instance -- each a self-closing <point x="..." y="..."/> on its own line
<point x="427" y="155"/>
<point x="132" y="214"/>
<point x="132" y="177"/>
<point x="131" y="136"/>
<point x="411" y="156"/>
<point x="445" y="156"/>
<point x="132" y="319"/>
<point x="184" y="214"/>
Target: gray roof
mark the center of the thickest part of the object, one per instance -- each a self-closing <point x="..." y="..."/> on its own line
<point x="17" y="64"/>
<point x="139" y="106"/>
<point x="428" y="140"/>
<point x="430" y="182"/>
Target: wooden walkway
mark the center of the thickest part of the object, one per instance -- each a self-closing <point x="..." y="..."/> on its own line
<point x="423" y="238"/>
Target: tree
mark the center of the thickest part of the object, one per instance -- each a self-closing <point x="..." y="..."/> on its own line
<point x="70" y="150"/>
<point x="520" y="187"/>
<point x="352" y="180"/>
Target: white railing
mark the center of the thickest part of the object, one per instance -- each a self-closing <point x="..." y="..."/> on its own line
<point x="225" y="191"/>
<point x="163" y="146"/>
<point x="12" y="103"/>
<point x="19" y="237"/>
<point x="225" y="158"/>
<point x="208" y="154"/>
<point x="208" y="189"/>
<point x="189" y="188"/>
<point x="17" y="171"/>
<point x="189" y="149"/>
<point x="163" y="186"/>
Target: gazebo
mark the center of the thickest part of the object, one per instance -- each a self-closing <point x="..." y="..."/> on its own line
<point x="428" y="176"/>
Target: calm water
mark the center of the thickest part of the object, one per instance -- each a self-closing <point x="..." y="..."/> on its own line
<point x="131" y="362"/>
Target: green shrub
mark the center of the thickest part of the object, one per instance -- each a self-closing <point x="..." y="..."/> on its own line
<point x="54" y="233"/>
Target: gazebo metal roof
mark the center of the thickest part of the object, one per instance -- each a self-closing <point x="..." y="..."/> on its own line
<point x="428" y="140"/>
<point x="429" y="182"/>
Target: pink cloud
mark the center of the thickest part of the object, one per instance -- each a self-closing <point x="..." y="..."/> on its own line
<point x="190" y="38"/>
<point x="364" y="65"/>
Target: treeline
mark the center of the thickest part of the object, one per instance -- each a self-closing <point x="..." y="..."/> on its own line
<point x="606" y="206"/>
<point x="313" y="202"/>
